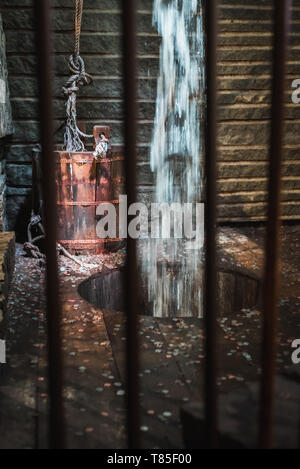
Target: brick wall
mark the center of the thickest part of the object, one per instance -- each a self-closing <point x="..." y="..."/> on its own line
<point x="244" y="69"/>
<point x="244" y="81"/>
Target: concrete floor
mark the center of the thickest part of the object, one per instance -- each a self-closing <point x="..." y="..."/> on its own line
<point x="171" y="354"/>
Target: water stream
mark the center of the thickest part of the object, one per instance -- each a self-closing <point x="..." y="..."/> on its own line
<point x="171" y="267"/>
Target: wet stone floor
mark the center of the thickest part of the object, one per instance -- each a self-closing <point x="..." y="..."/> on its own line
<point x="171" y="352"/>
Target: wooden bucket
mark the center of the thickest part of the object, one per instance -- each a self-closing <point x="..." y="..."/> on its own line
<point x="83" y="183"/>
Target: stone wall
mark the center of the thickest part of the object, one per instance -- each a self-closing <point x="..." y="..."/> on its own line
<point x="6" y="127"/>
<point x="244" y="68"/>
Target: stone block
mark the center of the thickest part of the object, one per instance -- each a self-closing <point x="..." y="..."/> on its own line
<point x="19" y="175"/>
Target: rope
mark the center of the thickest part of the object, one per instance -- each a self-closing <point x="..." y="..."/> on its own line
<point x="79" y="77"/>
<point x="72" y="140"/>
<point x="34" y="251"/>
<point x="78" y="21"/>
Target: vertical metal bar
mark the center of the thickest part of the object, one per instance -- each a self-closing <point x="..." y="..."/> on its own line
<point x="210" y="298"/>
<point x="131" y="277"/>
<point x="42" y="9"/>
<point x="272" y="248"/>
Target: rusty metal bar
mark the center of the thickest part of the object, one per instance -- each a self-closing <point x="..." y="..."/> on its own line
<point x="42" y="9"/>
<point x="272" y="248"/>
<point x="131" y="277"/>
<point x="210" y="295"/>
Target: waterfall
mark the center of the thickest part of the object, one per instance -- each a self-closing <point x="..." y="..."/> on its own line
<point x="172" y="267"/>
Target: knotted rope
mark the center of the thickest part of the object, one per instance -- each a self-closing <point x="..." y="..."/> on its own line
<point x="72" y="140"/>
<point x="79" y="77"/>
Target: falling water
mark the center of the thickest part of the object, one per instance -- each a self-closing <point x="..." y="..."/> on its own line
<point x="171" y="267"/>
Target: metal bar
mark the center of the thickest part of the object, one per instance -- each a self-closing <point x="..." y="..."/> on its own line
<point x="131" y="277"/>
<point x="272" y="248"/>
<point x="42" y="9"/>
<point x="210" y="295"/>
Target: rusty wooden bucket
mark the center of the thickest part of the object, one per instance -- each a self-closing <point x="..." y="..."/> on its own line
<point x="83" y="183"/>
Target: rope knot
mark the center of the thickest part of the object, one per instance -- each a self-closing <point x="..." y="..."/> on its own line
<point x="79" y="77"/>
